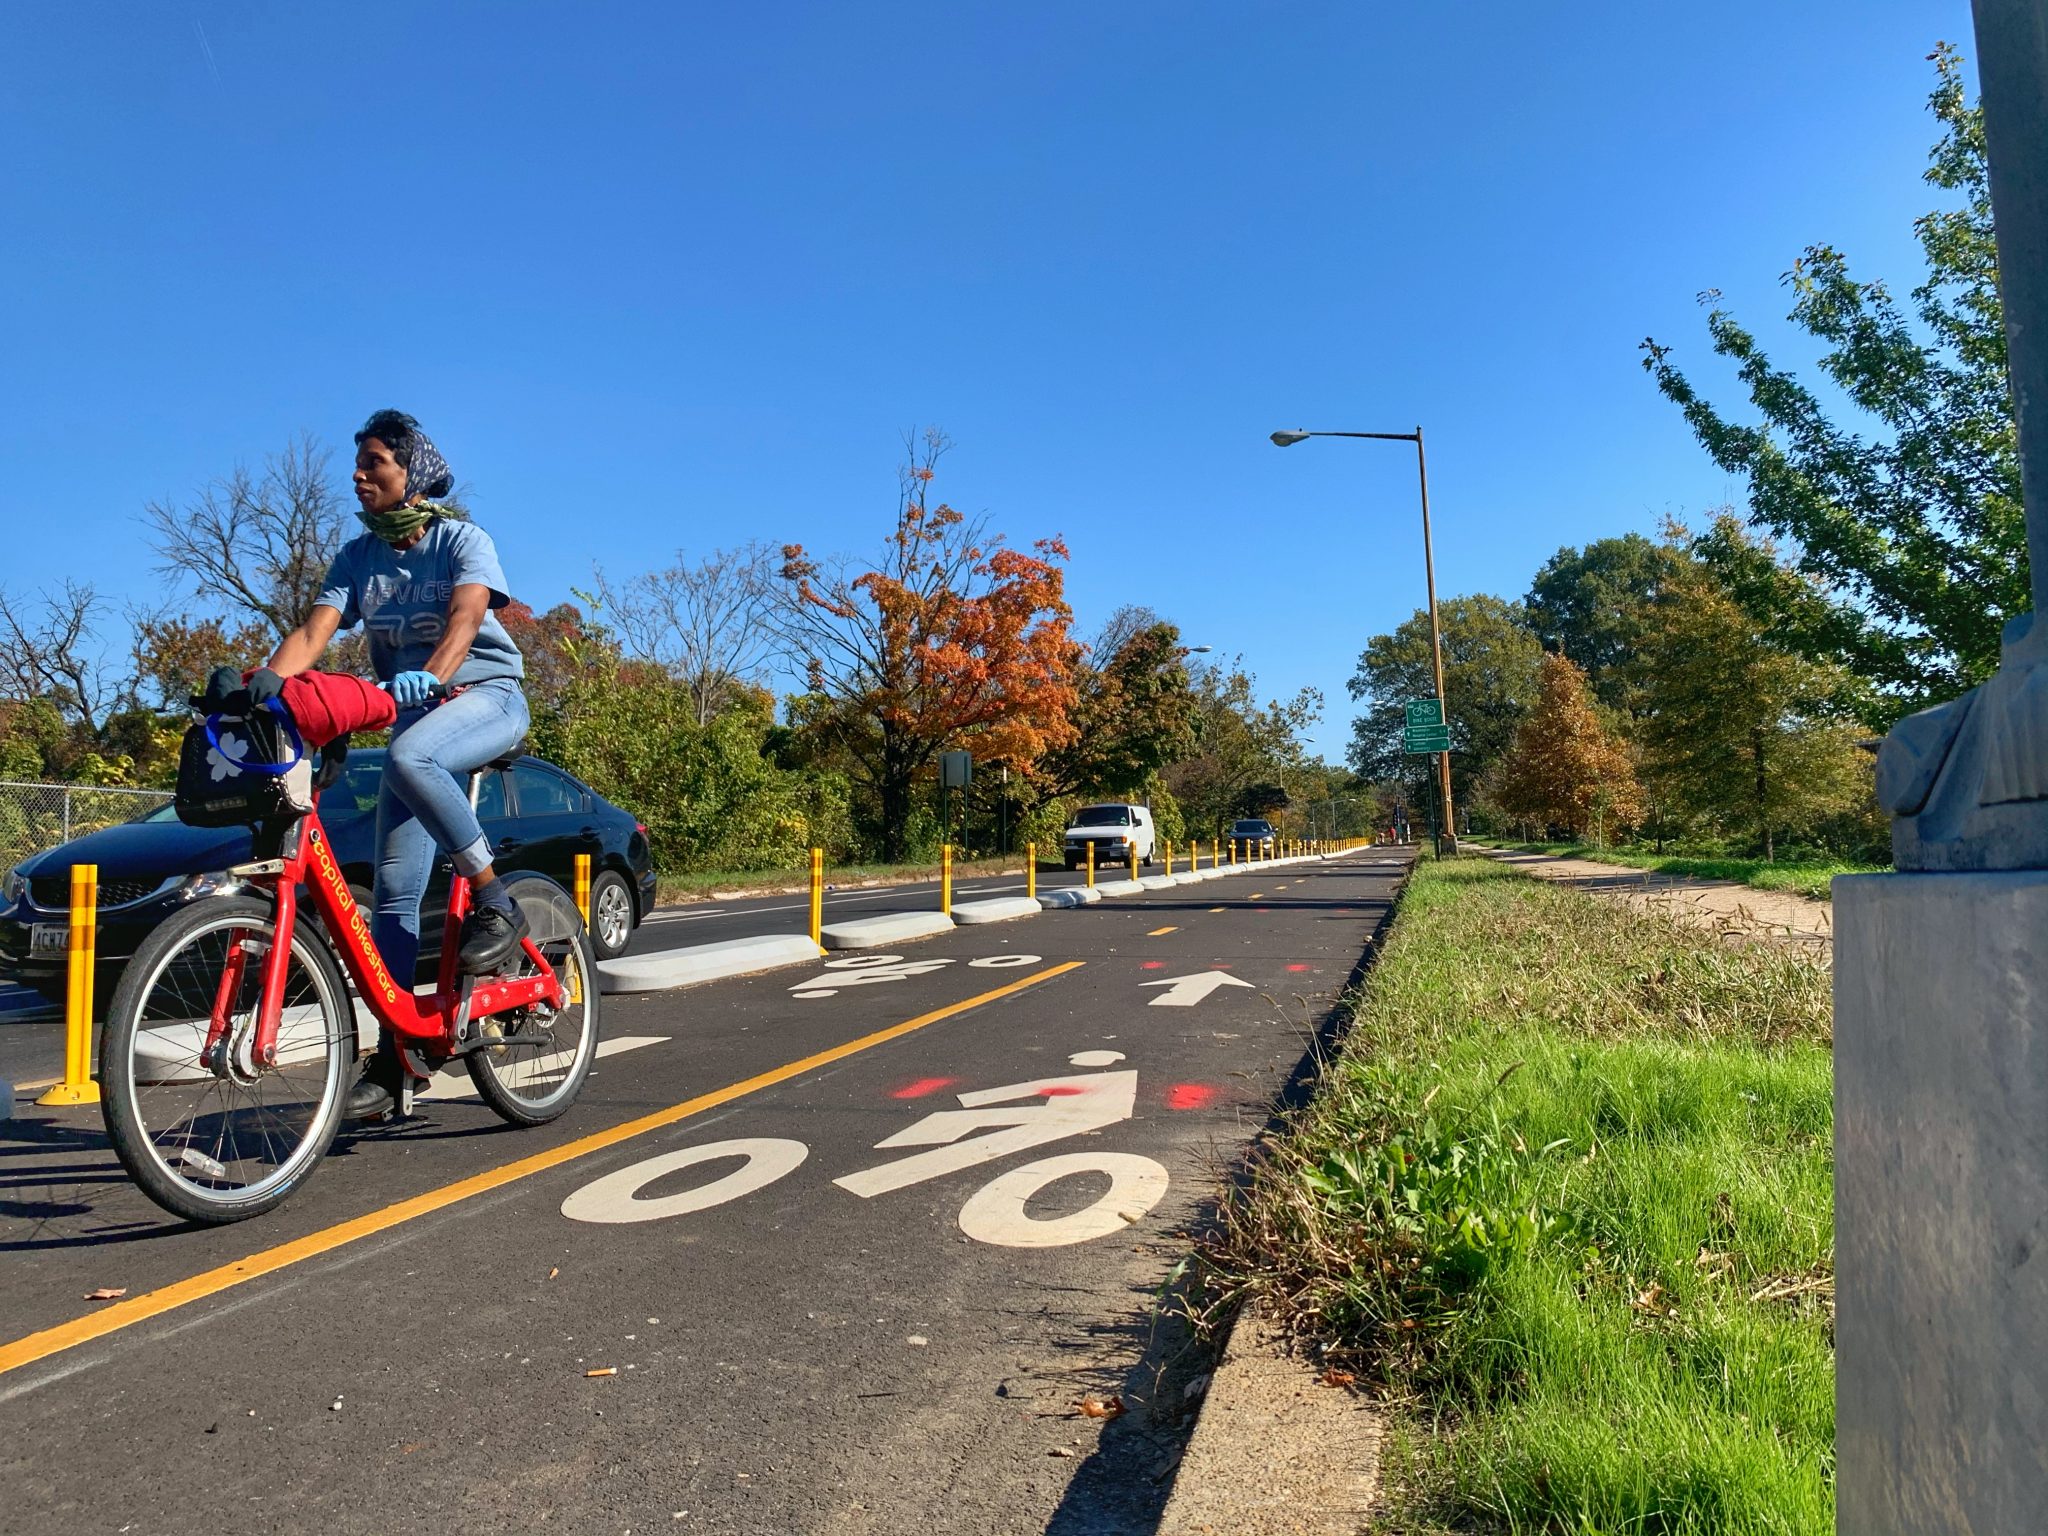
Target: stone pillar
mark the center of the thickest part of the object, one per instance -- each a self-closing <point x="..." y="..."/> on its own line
<point x="1941" y="1203"/>
<point x="1941" y="1004"/>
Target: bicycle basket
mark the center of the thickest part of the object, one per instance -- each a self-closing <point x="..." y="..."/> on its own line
<point x="236" y="770"/>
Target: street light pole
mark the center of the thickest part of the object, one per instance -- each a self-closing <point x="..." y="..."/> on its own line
<point x="1447" y="837"/>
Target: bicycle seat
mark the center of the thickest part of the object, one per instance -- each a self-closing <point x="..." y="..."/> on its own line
<point x="508" y="757"/>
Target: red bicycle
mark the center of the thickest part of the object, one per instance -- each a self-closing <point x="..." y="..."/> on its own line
<point x="231" y="1041"/>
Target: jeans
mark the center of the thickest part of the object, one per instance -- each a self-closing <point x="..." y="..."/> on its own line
<point x="424" y="801"/>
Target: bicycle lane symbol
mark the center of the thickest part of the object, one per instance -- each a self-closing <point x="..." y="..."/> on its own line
<point x="1011" y="1118"/>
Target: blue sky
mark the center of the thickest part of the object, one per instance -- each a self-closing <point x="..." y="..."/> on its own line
<point x="678" y="275"/>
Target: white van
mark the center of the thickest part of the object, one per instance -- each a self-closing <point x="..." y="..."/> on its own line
<point x="1115" y="830"/>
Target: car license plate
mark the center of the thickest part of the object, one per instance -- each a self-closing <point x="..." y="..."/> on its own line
<point x="49" y="939"/>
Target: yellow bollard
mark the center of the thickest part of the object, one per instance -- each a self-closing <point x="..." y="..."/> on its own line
<point x="583" y="888"/>
<point x="1169" y="858"/>
<point x="1134" y="861"/>
<point x="1031" y="870"/>
<point x="946" y="879"/>
<point x="1091" y="863"/>
<point x="78" y="1086"/>
<point x="818" y="898"/>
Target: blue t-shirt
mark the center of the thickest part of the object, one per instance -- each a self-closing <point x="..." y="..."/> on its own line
<point x="402" y="599"/>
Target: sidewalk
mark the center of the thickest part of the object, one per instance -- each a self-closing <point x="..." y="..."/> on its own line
<point x="1732" y="909"/>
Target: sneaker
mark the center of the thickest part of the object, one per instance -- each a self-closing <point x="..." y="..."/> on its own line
<point x="490" y="938"/>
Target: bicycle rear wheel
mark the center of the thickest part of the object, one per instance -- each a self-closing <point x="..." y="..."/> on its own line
<point x="528" y="1084"/>
<point x="221" y="1146"/>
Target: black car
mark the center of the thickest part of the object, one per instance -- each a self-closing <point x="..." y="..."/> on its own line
<point x="1255" y="836"/>
<point x="536" y="816"/>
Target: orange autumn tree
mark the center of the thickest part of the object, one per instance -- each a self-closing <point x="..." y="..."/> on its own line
<point x="950" y="639"/>
<point x="1566" y="769"/>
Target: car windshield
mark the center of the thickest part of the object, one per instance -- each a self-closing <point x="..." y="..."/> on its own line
<point x="1253" y="828"/>
<point x="1103" y="816"/>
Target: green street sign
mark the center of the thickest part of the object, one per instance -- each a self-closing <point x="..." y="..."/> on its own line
<point x="1423" y="712"/>
<point x="1431" y="738"/>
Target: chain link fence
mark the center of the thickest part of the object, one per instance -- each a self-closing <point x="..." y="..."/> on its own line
<point x="38" y="816"/>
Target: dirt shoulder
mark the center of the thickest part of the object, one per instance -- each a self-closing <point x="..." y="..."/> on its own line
<point x="1735" y="910"/>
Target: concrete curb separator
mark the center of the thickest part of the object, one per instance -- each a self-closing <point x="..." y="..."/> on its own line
<point x="1068" y="896"/>
<point x="996" y="909"/>
<point x="885" y="928"/>
<point x="667" y="968"/>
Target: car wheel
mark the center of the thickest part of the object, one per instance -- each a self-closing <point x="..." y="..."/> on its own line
<point x="611" y="914"/>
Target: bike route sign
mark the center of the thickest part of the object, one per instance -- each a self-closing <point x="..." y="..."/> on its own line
<point x="1424" y="712"/>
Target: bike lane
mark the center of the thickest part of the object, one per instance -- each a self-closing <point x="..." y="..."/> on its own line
<point x="885" y="1322"/>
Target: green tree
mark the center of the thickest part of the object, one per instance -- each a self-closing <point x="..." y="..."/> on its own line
<point x="1241" y="748"/>
<point x="1133" y="714"/>
<point x="1490" y="664"/>
<point x="1914" y="524"/>
<point x="1567" y="769"/>
<point x="1738" y="735"/>
<point x="1587" y="605"/>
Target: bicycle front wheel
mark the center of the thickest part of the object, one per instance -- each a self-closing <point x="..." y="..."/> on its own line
<point x="224" y="1141"/>
<point x="531" y="1084"/>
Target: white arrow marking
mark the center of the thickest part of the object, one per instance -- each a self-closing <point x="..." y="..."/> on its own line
<point x="1186" y="991"/>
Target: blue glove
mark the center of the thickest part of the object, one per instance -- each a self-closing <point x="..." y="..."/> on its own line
<point x="409" y="690"/>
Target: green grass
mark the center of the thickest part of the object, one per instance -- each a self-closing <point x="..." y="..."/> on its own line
<point x="1804" y="876"/>
<point x="1563" y="1200"/>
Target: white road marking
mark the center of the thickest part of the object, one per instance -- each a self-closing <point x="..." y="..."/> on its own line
<point x="612" y="1200"/>
<point x="1186" y="991"/>
<point x="1072" y="1106"/>
<point x="995" y="1213"/>
<point x="1095" y="1058"/>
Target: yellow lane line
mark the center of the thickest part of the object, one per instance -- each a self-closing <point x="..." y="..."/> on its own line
<point x="125" y="1314"/>
<point x="1216" y="909"/>
<point x="1256" y="896"/>
<point x="1156" y="932"/>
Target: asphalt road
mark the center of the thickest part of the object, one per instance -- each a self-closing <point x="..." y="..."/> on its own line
<point x="32" y="1035"/>
<point x="849" y="1315"/>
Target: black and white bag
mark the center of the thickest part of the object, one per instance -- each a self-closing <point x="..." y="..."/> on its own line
<point x="236" y="770"/>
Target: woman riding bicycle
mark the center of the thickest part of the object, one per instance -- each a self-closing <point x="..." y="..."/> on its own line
<point x="423" y="582"/>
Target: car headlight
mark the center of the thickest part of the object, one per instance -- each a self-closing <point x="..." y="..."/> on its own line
<point x="213" y="883"/>
<point x="12" y="884"/>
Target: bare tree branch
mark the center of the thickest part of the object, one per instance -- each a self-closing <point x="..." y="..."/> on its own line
<point x="49" y="653"/>
<point x="706" y="624"/>
<point x="259" y="543"/>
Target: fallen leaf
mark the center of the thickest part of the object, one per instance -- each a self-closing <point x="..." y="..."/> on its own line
<point x="1194" y="1388"/>
<point x="107" y="1293"/>
<point x="554" y="1272"/>
<point x="1336" y="1378"/>
<point x="1101" y="1408"/>
<point x="603" y="1370"/>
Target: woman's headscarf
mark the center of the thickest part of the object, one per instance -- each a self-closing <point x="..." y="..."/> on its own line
<point x="426" y="475"/>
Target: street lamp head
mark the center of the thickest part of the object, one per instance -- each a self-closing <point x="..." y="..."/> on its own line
<point x="1289" y="439"/>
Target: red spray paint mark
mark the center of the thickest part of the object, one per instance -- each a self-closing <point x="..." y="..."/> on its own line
<point x="1297" y="967"/>
<point x="1153" y="965"/>
<point x="923" y="1086"/>
<point x="1190" y="1096"/>
<point x="1062" y="1091"/>
<point x="1262" y="909"/>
